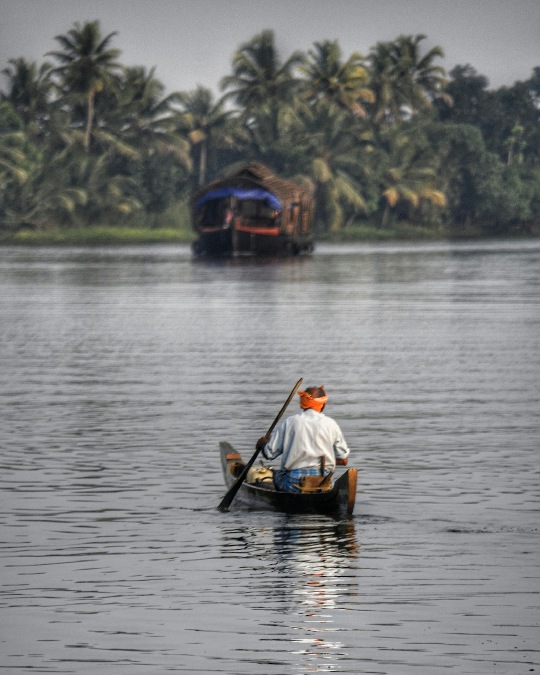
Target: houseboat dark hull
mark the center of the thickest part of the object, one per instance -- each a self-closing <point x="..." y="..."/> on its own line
<point x="339" y="501"/>
<point x="230" y="242"/>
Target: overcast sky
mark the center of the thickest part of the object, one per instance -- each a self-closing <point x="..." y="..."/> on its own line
<point x="191" y="42"/>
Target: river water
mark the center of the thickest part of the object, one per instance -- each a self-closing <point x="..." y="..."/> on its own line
<point x="121" y="371"/>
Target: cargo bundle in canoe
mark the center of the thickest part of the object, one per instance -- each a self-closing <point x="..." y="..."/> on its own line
<point x="261" y="494"/>
<point x="252" y="212"/>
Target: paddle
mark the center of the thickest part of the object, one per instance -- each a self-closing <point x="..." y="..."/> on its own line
<point x="227" y="499"/>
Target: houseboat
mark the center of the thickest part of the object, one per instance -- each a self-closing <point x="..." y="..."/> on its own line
<point x="252" y="212"/>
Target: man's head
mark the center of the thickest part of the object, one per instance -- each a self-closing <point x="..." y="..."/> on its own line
<point x="314" y="398"/>
<point x="316" y="392"/>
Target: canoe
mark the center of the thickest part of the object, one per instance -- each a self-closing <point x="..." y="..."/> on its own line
<point x="263" y="495"/>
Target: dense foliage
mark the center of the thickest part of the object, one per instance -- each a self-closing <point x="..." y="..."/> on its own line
<point x="383" y="139"/>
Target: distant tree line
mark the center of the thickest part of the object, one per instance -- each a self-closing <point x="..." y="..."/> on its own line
<point x="385" y="139"/>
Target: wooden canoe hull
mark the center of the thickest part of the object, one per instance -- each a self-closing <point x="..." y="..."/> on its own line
<point x="340" y="500"/>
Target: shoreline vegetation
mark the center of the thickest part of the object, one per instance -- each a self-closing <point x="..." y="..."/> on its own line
<point x="95" y="236"/>
<point x="389" y="145"/>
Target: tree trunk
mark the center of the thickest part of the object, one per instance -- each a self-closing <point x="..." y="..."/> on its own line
<point x="386" y="216"/>
<point x="89" y="120"/>
<point x="202" y="162"/>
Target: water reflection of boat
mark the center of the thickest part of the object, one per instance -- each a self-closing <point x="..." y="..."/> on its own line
<point x="318" y="561"/>
<point x="339" y="500"/>
<point x="308" y="575"/>
<point x="252" y="212"/>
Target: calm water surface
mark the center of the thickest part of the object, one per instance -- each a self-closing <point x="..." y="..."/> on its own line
<point x="122" y="369"/>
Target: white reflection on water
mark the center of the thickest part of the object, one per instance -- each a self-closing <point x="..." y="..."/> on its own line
<point x="311" y="560"/>
<point x="319" y="568"/>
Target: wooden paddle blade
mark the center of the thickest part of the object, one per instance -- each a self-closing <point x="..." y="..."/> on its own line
<point x="231" y="494"/>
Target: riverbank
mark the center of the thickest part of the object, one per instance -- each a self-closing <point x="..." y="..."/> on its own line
<point x="124" y="236"/>
<point x="98" y="236"/>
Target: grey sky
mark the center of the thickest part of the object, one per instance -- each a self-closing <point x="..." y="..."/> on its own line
<point x="191" y="42"/>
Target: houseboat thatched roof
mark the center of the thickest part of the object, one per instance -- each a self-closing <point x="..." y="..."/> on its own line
<point x="257" y="176"/>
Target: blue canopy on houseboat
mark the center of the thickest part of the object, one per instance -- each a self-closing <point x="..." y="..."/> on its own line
<point x="241" y="193"/>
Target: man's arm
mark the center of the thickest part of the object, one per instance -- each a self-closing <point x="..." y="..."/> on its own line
<point x="341" y="449"/>
<point x="272" y="446"/>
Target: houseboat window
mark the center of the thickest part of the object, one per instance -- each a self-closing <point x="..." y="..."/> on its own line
<point x="255" y="209"/>
<point x="212" y="209"/>
<point x="248" y="208"/>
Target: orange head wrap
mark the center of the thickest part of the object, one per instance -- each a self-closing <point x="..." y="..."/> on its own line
<point x="308" y="401"/>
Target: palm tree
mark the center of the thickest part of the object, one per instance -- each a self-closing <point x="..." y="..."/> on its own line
<point x="142" y="117"/>
<point x="138" y="108"/>
<point x="88" y="66"/>
<point x="385" y="83"/>
<point x="408" y="176"/>
<point x="274" y="134"/>
<point x="333" y="164"/>
<point x="206" y="122"/>
<point x="329" y="77"/>
<point x="12" y="158"/>
<point x="33" y="191"/>
<point x="259" y="75"/>
<point x="423" y="80"/>
<point x="262" y="83"/>
<point x="403" y="80"/>
<point x="54" y="204"/>
<point x="16" y="163"/>
<point x="14" y="166"/>
<point x="28" y="91"/>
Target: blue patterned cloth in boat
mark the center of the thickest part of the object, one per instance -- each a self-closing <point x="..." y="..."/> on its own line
<point x="287" y="481"/>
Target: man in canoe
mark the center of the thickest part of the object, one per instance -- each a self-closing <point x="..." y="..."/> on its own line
<point x="304" y="440"/>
